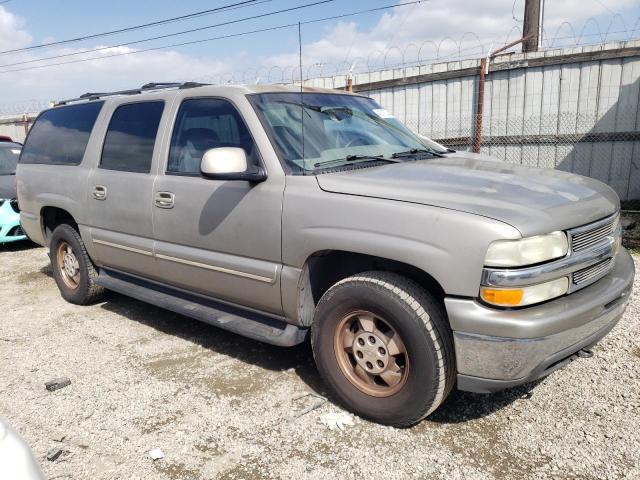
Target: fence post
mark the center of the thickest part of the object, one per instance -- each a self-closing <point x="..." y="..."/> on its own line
<point x="349" y="87"/>
<point x="477" y="140"/>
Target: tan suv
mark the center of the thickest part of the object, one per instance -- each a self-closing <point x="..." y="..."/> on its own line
<point x="285" y="215"/>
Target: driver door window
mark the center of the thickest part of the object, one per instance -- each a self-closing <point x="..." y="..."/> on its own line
<point x="202" y="124"/>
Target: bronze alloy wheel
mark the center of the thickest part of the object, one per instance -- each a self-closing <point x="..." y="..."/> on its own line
<point x="68" y="265"/>
<point x="371" y="354"/>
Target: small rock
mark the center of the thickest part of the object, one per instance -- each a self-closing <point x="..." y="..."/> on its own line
<point x="54" y="454"/>
<point x="156" y="454"/>
<point x="58" y="437"/>
<point x="57" y="384"/>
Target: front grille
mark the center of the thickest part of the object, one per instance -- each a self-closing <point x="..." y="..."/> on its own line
<point x="592" y="273"/>
<point x="584" y="239"/>
<point x="14" y="205"/>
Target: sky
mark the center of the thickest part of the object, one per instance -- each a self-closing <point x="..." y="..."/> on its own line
<point x="444" y="29"/>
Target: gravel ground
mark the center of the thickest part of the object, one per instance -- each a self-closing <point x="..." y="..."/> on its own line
<point x="221" y="406"/>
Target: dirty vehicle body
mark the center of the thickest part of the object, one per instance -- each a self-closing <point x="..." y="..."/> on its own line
<point x="10" y="230"/>
<point x="283" y="219"/>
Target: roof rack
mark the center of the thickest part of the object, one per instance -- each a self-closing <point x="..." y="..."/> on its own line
<point x="145" y="88"/>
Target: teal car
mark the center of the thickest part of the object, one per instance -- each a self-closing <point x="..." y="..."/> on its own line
<point x="10" y="230"/>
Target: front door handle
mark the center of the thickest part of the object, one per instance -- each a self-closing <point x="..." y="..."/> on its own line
<point x="100" y="192"/>
<point x="165" y="200"/>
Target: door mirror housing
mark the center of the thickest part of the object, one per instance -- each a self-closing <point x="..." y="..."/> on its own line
<point x="229" y="163"/>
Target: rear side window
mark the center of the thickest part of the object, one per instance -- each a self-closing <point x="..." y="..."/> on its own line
<point x="128" y="145"/>
<point x="60" y="135"/>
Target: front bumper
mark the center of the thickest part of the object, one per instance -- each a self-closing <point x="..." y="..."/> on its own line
<point x="497" y="349"/>
<point x="10" y="230"/>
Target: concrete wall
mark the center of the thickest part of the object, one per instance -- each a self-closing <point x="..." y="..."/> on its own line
<point x="16" y="127"/>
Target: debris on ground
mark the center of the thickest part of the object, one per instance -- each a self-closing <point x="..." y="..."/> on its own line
<point x="156" y="454"/>
<point x="54" y="454"/>
<point x="320" y="401"/>
<point x="57" y="384"/>
<point x="337" y="420"/>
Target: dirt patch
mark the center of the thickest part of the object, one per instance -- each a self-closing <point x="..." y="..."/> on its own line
<point x="155" y="424"/>
<point x="177" y="471"/>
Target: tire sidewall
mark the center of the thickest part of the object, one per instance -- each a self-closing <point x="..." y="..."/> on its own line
<point x="418" y="393"/>
<point x="69" y="235"/>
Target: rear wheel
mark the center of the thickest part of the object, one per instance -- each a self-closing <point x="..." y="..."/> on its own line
<point x="383" y="346"/>
<point x="73" y="270"/>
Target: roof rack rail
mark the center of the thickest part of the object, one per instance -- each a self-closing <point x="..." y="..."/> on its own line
<point x="145" y="88"/>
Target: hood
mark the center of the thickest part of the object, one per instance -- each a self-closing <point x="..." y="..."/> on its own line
<point x="7" y="187"/>
<point x="532" y="200"/>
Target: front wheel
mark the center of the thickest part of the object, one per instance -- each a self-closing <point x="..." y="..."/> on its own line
<point x="383" y="346"/>
<point x="73" y="270"/>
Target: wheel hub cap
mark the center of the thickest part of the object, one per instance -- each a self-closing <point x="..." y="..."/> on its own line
<point x="371" y="353"/>
<point x="70" y="264"/>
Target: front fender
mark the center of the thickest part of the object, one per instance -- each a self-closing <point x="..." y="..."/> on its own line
<point x="447" y="244"/>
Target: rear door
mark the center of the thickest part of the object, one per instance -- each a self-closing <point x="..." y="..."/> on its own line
<point x="120" y="188"/>
<point x="220" y="238"/>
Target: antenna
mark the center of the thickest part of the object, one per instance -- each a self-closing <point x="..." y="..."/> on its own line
<point x="301" y="91"/>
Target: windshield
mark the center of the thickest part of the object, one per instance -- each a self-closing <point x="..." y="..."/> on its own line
<point x="339" y="130"/>
<point x="9" y="155"/>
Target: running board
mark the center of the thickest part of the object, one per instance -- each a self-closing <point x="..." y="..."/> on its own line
<point x="236" y="320"/>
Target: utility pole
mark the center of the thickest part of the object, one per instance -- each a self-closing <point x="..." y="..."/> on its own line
<point x="531" y="30"/>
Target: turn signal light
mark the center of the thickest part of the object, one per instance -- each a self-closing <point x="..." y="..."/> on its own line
<point x="502" y="297"/>
<point x="529" y="295"/>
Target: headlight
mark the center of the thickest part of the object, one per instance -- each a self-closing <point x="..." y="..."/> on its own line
<point x="527" y="251"/>
<point x="519" y="297"/>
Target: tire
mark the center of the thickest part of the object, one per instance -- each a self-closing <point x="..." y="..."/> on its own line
<point x="66" y="245"/>
<point x="413" y="383"/>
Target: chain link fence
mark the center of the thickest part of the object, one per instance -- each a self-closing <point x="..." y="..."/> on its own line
<point x="572" y="110"/>
<point x="579" y="144"/>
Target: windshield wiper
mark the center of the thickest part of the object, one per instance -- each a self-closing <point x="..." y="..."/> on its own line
<point x="415" y="151"/>
<point x="356" y="158"/>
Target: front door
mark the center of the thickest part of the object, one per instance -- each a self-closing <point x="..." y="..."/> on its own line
<point x="220" y="238"/>
<point x="120" y="190"/>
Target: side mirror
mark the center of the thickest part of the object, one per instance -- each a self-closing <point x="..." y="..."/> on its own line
<point x="229" y="163"/>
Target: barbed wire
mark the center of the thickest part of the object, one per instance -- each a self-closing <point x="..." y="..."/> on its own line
<point x="399" y="57"/>
<point x="378" y="60"/>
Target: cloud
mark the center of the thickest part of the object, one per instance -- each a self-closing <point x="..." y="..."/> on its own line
<point x="12" y="34"/>
<point x="113" y="69"/>
<point x="442" y="27"/>
<point x="432" y="29"/>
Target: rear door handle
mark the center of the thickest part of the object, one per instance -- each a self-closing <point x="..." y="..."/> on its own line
<point x="165" y="200"/>
<point x="100" y="192"/>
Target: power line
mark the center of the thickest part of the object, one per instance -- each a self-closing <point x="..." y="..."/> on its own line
<point x="168" y="35"/>
<point x="132" y="28"/>
<point x="222" y="37"/>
